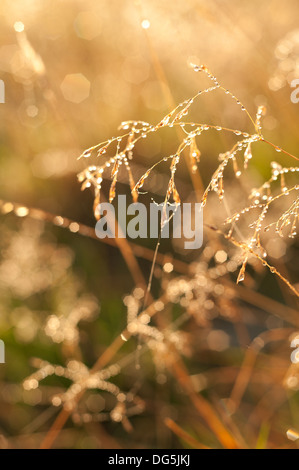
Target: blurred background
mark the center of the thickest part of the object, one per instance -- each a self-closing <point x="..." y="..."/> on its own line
<point x="73" y="71"/>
